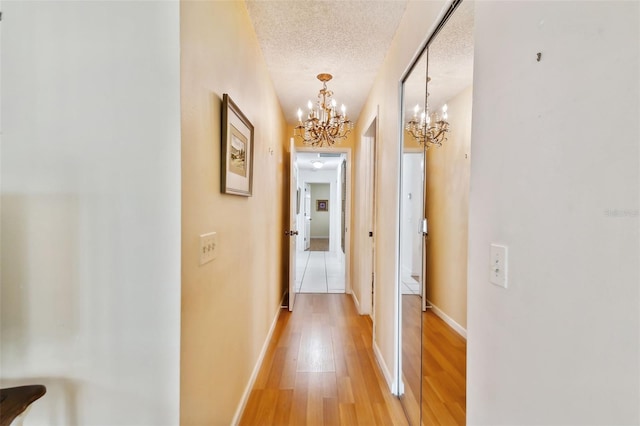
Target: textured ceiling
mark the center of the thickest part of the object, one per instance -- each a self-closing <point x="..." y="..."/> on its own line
<point x="450" y="63"/>
<point x="303" y="38"/>
<point x="330" y="161"/>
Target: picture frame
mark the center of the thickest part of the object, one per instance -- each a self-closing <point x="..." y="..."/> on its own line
<point x="322" y="205"/>
<point x="236" y="166"/>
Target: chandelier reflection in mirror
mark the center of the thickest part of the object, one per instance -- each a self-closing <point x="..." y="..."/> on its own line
<point x="430" y="129"/>
<point x="324" y="125"/>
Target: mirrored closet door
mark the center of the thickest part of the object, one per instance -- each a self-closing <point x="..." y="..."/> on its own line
<point x="435" y="166"/>
<point x="411" y="266"/>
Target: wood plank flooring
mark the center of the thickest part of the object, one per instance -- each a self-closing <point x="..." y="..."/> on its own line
<point x="442" y="366"/>
<point x="319" y="244"/>
<point x="320" y="369"/>
<point x="444" y="372"/>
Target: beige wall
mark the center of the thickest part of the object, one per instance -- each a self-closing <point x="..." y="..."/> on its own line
<point x="320" y="219"/>
<point x="447" y="204"/>
<point x="228" y="305"/>
<point x="385" y="93"/>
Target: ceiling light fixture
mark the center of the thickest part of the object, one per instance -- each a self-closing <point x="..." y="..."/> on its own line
<point x="324" y="125"/>
<point x="430" y="129"/>
<point x="317" y="164"/>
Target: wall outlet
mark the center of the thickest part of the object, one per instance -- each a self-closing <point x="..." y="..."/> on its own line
<point x="498" y="267"/>
<point x="208" y="247"/>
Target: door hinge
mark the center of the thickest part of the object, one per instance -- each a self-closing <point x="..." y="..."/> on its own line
<point x="371" y="234"/>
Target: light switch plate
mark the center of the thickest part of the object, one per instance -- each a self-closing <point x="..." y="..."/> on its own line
<point x="208" y="247"/>
<point x="498" y="267"/>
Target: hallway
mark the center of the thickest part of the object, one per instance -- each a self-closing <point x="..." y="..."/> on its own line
<point x="320" y="369"/>
<point x="320" y="272"/>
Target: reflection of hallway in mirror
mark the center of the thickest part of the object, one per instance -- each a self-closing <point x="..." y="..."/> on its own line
<point x="443" y="368"/>
<point x="411" y="355"/>
<point x="411" y="285"/>
<point x="444" y="372"/>
<point x="320" y="272"/>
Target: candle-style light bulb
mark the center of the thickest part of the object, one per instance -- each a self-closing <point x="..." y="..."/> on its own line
<point x="333" y="103"/>
<point x="309" y="105"/>
<point x="415" y="110"/>
<point x="344" y="110"/>
<point x="422" y="116"/>
<point x="299" y="114"/>
<point x="444" y="112"/>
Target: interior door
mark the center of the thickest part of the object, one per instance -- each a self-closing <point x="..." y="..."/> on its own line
<point x="292" y="232"/>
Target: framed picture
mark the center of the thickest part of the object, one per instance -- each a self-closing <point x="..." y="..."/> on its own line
<point x="322" y="205"/>
<point x="237" y="150"/>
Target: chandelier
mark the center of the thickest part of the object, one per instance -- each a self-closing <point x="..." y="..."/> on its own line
<point x="324" y="125"/>
<point x="429" y="129"/>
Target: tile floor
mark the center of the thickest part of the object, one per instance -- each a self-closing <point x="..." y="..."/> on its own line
<point x="410" y="285"/>
<point x="320" y="272"/>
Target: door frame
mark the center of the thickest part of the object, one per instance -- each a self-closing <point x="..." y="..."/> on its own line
<point x="292" y="225"/>
<point x="348" y="289"/>
<point x="369" y="147"/>
<point x="305" y="234"/>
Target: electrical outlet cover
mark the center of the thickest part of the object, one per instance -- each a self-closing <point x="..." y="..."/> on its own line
<point x="498" y="266"/>
<point x="208" y="247"/>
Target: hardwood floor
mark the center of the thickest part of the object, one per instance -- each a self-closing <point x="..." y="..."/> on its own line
<point x="320" y="370"/>
<point x="443" y="367"/>
<point x="444" y="373"/>
<point x="411" y="355"/>
<point x="319" y="244"/>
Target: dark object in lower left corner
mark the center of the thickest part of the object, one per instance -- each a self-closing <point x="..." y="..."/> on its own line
<point x="14" y="401"/>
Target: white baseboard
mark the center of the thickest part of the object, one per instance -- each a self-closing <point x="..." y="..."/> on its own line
<point x="356" y="302"/>
<point x="385" y="371"/>
<point x="256" y="369"/>
<point x="447" y="319"/>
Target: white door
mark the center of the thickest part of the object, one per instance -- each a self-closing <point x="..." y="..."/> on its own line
<point x="307" y="216"/>
<point x="292" y="231"/>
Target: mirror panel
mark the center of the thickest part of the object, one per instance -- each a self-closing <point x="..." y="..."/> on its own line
<point x="435" y="185"/>
<point x="450" y="72"/>
<point x="411" y="255"/>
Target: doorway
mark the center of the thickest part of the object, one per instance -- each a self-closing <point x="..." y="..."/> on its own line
<point x="321" y="260"/>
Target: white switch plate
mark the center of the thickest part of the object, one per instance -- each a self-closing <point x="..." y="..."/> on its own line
<point x="208" y="247"/>
<point x="498" y="267"/>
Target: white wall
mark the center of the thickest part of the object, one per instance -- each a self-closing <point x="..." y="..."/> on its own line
<point x="411" y="214"/>
<point x="555" y="177"/>
<point x="90" y="218"/>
